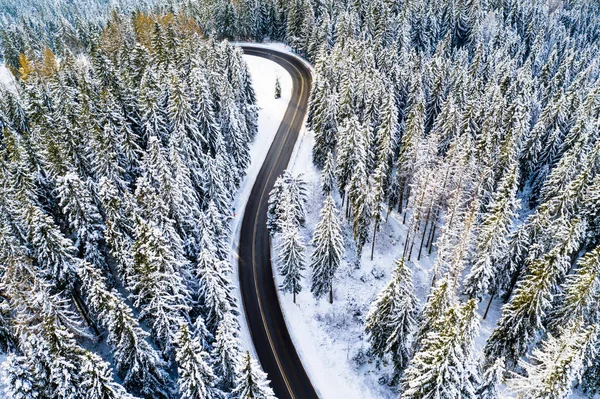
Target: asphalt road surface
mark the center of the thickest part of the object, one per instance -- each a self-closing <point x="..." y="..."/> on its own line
<point x="271" y="338"/>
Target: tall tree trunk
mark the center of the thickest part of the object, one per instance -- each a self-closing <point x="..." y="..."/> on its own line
<point x="331" y="293"/>
<point x="424" y="232"/>
<point x="374" y="234"/>
<point x="431" y="238"/>
<point x="487" y="308"/>
<point x="513" y="283"/>
<point x="412" y="244"/>
<point x="401" y="200"/>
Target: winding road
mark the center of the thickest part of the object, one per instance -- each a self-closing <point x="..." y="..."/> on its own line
<point x="271" y="338"/>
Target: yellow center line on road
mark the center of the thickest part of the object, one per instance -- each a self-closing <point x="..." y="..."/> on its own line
<point x="254" y="263"/>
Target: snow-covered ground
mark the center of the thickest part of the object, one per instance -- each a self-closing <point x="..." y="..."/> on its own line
<point x="270" y="115"/>
<point x="7" y="79"/>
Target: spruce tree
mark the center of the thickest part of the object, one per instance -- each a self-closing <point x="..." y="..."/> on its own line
<point x="523" y="315"/>
<point x="226" y="352"/>
<point x="83" y="217"/>
<point x="196" y="378"/>
<point x="291" y="258"/>
<point x="328" y="181"/>
<point x="552" y="368"/>
<point x="443" y="366"/>
<point x="138" y="364"/>
<point x="288" y="195"/>
<point x="579" y="296"/>
<point x="329" y="250"/>
<point x="277" y="88"/>
<point x="252" y="382"/>
<point x="160" y="292"/>
<point x="491" y="243"/>
<point x="392" y="319"/>
<point x="491" y="380"/>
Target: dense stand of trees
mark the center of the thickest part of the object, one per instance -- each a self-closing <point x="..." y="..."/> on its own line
<point x="117" y="170"/>
<point x="478" y="123"/>
<point x="475" y="120"/>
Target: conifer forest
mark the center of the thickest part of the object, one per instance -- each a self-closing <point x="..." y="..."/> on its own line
<point x="434" y="233"/>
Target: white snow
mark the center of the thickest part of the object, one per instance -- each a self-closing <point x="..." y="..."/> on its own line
<point x="270" y="115"/>
<point x="2" y="386"/>
<point x="7" y="79"/>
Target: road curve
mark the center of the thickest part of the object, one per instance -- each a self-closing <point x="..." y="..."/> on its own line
<point x="271" y="338"/>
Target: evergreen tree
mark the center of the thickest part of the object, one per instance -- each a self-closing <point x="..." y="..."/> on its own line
<point x="522" y="317"/>
<point x="441" y="297"/>
<point x="252" y="382"/>
<point x="328" y="175"/>
<point x="277" y="88"/>
<point x="159" y="289"/>
<point x="559" y="362"/>
<point x="288" y="195"/>
<point x="196" y="379"/>
<point x="491" y="380"/>
<point x="137" y="362"/>
<point x="226" y="352"/>
<point x="214" y="291"/>
<point x="84" y="218"/>
<point x="443" y="365"/>
<point x="329" y="250"/>
<point x="291" y="258"/>
<point x="491" y="243"/>
<point x="392" y="319"/>
<point x="579" y="295"/>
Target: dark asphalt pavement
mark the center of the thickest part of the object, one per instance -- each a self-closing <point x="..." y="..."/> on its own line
<point x="271" y="338"/>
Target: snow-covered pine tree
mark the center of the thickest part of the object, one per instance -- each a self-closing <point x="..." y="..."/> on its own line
<point x="214" y="289"/>
<point x="443" y="366"/>
<point x="579" y="294"/>
<point x="277" y="88"/>
<point x="83" y="217"/>
<point x="523" y="315"/>
<point x="288" y="195"/>
<point x="138" y="364"/>
<point x="53" y="252"/>
<point x="329" y="250"/>
<point x="226" y="352"/>
<point x="352" y="149"/>
<point x="360" y="203"/>
<point x="392" y="319"/>
<point x="378" y="187"/>
<point x="557" y="364"/>
<point x="196" y="378"/>
<point x="204" y="109"/>
<point x="328" y="182"/>
<point x="441" y="297"/>
<point x="97" y="380"/>
<point x="413" y="133"/>
<point x="291" y="257"/>
<point x="325" y="126"/>
<point x="491" y="241"/>
<point x="118" y="209"/>
<point x="160" y="292"/>
<point x="491" y="380"/>
<point x="252" y="382"/>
